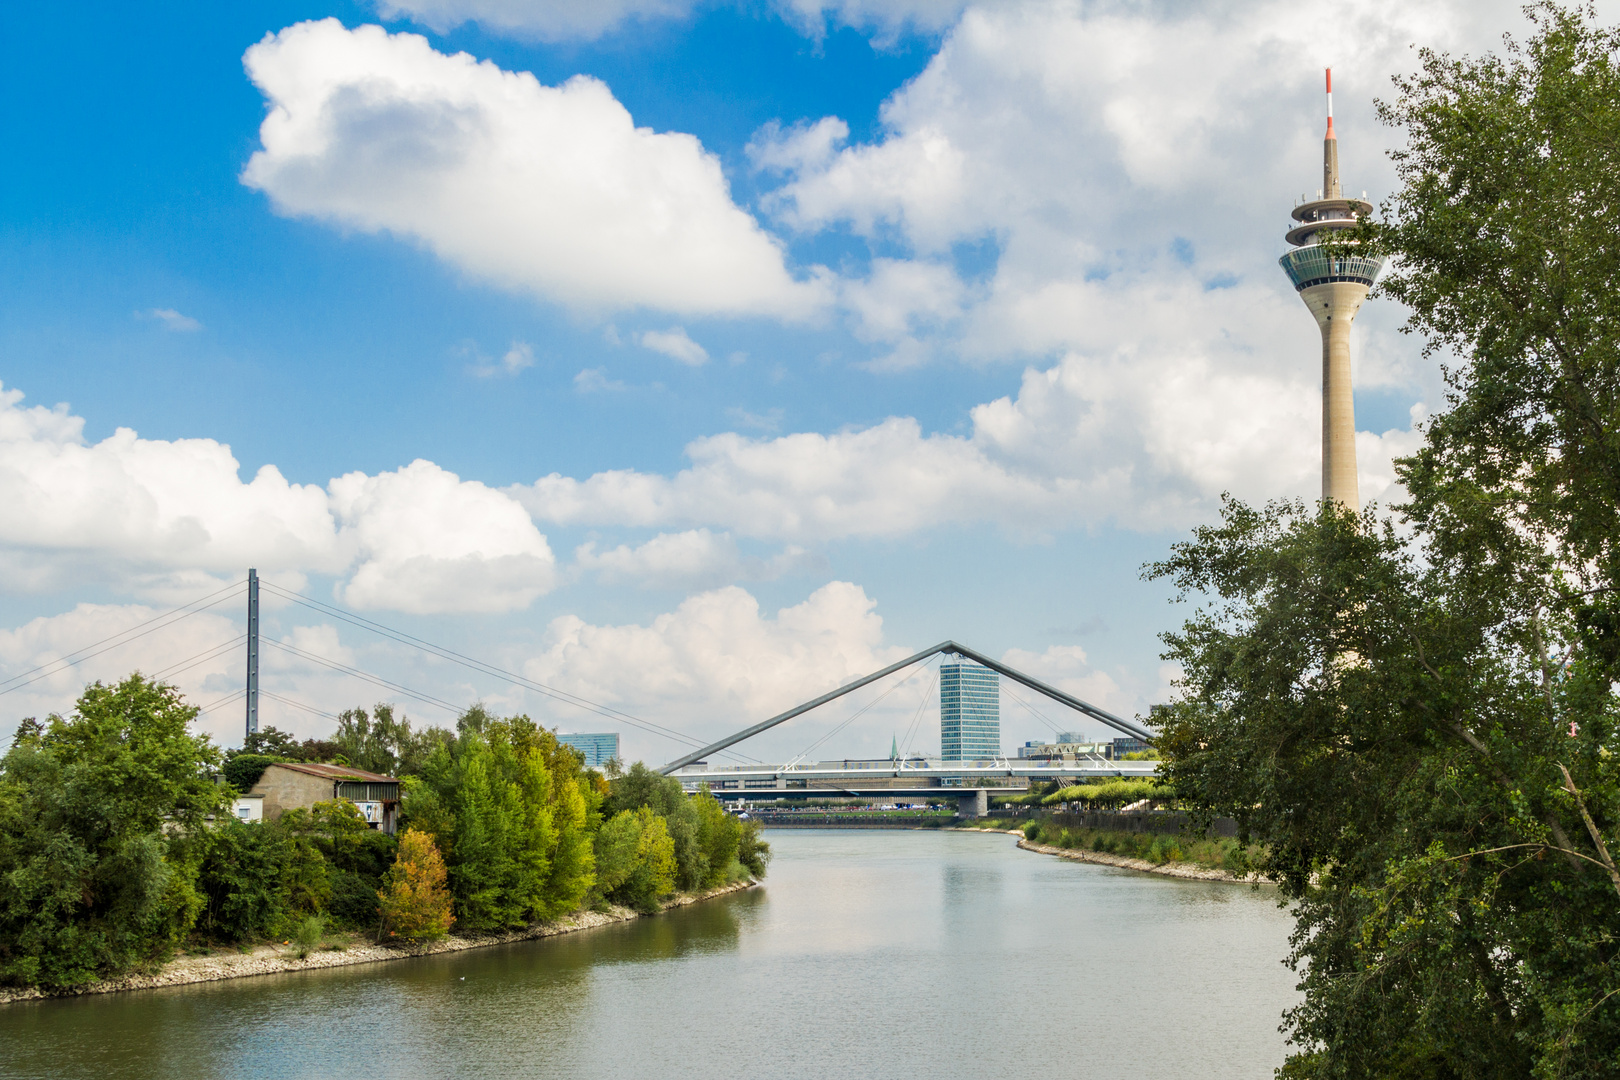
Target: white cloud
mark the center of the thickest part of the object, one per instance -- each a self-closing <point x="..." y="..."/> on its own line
<point x="517" y="359"/>
<point x="716" y="663"/>
<point x="596" y="381"/>
<point x="696" y="558"/>
<point x="431" y="541"/>
<point x="1145" y="442"/>
<point x="173" y="320"/>
<point x="674" y="344"/>
<point x="1069" y="669"/>
<point x="184" y="653"/>
<point x="163" y="517"/>
<point x="552" y="190"/>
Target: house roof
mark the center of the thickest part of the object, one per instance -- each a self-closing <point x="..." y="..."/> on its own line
<point x="335" y="772"/>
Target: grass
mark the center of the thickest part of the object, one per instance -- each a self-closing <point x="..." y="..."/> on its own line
<point x="1218" y="853"/>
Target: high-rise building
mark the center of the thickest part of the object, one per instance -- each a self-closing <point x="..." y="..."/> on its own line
<point x="1333" y="287"/>
<point x="597" y="747"/>
<point x="969" y="712"/>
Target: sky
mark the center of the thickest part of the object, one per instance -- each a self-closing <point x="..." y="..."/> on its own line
<point x="689" y="358"/>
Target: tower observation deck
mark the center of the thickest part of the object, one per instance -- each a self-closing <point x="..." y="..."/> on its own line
<point x="1333" y="288"/>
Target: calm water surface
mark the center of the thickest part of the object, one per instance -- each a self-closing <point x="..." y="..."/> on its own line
<point x="867" y="954"/>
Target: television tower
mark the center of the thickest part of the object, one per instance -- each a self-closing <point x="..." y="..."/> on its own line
<point x="1333" y="288"/>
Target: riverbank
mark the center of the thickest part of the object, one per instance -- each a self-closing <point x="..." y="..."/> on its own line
<point x="1191" y="871"/>
<point x="274" y="959"/>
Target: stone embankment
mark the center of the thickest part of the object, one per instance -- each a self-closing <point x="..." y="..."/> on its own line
<point x="273" y="959"/>
<point x="1169" y="869"/>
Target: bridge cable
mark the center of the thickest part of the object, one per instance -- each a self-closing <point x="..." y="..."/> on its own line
<point x="860" y="712"/>
<point x="200" y="658"/>
<point x="927" y="694"/>
<point x="486" y="668"/>
<point x="66" y="660"/>
<point x="366" y="676"/>
<point x="1032" y="710"/>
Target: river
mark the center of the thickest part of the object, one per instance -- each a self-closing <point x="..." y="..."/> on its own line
<point x="867" y="954"/>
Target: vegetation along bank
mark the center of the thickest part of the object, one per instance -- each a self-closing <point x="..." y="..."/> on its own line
<point x="118" y="849"/>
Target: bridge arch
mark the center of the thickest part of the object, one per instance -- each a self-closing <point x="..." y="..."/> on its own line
<point x="1128" y="727"/>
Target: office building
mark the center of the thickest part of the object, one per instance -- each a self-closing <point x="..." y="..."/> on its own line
<point x="597" y="747"/>
<point x="969" y="712"/>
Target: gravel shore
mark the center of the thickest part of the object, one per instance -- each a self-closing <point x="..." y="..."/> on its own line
<point x="1180" y="870"/>
<point x="270" y="959"/>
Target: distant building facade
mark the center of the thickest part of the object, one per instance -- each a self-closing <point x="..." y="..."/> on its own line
<point x="1067" y="748"/>
<point x="1128" y="745"/>
<point x="969" y="712"/>
<point x="597" y="747"/>
<point x="299" y="785"/>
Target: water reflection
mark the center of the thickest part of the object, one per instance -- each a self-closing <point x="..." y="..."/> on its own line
<point x="868" y="953"/>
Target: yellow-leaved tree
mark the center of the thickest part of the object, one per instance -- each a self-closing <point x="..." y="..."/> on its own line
<point x="414" y="901"/>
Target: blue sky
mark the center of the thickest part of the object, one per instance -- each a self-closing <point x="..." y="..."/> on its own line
<point x="837" y="328"/>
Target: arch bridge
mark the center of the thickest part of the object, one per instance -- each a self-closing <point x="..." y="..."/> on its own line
<point x="901" y="777"/>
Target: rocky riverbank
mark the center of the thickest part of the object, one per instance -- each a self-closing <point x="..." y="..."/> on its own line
<point x="1167" y="869"/>
<point x="271" y="959"/>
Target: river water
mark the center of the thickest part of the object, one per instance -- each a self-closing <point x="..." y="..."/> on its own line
<point x="869" y="954"/>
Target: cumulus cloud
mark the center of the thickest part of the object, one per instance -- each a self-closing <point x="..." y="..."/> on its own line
<point x="717" y="663"/>
<point x="1068" y="668"/>
<point x="1082" y="443"/>
<point x="431" y="541"/>
<point x="552" y="190"/>
<point x="697" y="558"/>
<point x="186" y="653"/>
<point x="674" y="344"/>
<point x="161" y="516"/>
<point x="517" y="359"/>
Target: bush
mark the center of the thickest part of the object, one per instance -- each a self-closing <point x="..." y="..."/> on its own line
<point x="241" y="880"/>
<point x="242" y="771"/>
<point x="1032" y="831"/>
<point x="354" y="899"/>
<point x="307" y="934"/>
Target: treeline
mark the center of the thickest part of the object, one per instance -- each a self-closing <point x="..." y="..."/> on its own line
<point x="117" y="844"/>
<point x="1096" y="793"/>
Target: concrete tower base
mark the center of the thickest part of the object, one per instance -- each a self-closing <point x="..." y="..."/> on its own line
<point x="1334" y="305"/>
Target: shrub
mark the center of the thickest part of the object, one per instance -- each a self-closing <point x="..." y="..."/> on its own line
<point x="1032" y="831"/>
<point x="354" y="899"/>
<point x="415" y="901"/>
<point x="307" y="934"/>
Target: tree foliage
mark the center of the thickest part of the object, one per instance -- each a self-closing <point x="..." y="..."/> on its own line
<point x="415" y="902"/>
<point x="95" y="811"/>
<point x="513" y="811"/>
<point x="1418" y="718"/>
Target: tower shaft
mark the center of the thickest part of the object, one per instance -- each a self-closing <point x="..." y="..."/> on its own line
<point x="1335" y="305"/>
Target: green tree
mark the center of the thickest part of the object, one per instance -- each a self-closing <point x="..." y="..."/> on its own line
<point x="95" y="814"/>
<point x="415" y="902"/>
<point x="635" y="858"/>
<point x="384" y="743"/>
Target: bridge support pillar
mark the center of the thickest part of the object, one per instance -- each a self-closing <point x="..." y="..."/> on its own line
<point x="973" y="805"/>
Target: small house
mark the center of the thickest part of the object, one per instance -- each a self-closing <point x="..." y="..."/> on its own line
<point x="298" y="785"/>
<point x="249" y="808"/>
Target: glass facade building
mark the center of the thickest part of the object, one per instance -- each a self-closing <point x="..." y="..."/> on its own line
<point x="969" y="712"/>
<point x="597" y="746"/>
